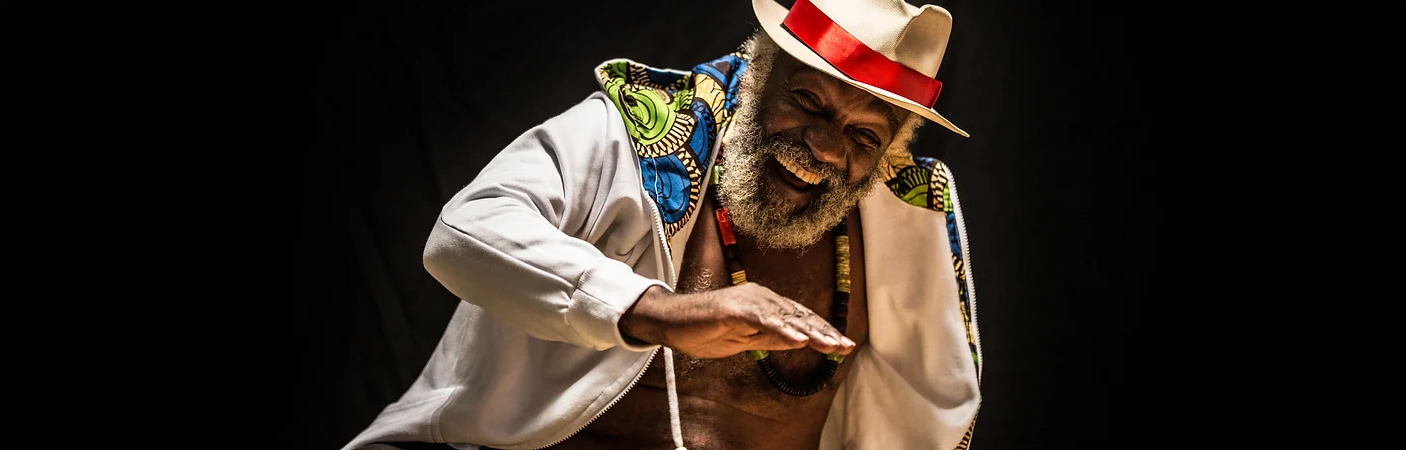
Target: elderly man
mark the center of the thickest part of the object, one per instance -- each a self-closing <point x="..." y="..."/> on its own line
<point x="744" y="255"/>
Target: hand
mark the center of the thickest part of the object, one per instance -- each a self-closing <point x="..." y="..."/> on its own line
<point x="728" y="321"/>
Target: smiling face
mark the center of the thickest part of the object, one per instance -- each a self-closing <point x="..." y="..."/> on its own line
<point x="803" y="149"/>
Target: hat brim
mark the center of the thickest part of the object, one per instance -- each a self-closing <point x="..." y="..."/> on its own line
<point x="770" y="14"/>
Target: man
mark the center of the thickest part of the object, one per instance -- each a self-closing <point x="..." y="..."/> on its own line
<point x="741" y="256"/>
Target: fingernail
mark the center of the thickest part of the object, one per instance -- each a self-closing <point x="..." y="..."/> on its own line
<point x="848" y="343"/>
<point x="830" y="341"/>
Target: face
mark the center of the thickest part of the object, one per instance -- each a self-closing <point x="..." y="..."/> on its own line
<point x="802" y="152"/>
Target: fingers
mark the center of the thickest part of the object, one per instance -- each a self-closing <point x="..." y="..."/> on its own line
<point x="777" y="329"/>
<point x="775" y="334"/>
<point x="824" y="337"/>
<point x="795" y="323"/>
<point x="778" y="341"/>
<point x="818" y="339"/>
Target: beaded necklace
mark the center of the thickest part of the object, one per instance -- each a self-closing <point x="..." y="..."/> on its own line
<point x="839" y="311"/>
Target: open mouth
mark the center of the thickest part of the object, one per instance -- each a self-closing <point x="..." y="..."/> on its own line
<point x="796" y="175"/>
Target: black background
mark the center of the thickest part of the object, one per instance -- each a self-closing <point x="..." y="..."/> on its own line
<point x="213" y="212"/>
<point x="401" y="105"/>
<point x="292" y="157"/>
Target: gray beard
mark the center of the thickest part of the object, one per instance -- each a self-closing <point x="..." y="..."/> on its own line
<point x="762" y="213"/>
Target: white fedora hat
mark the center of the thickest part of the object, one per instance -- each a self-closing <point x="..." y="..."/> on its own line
<point x="887" y="47"/>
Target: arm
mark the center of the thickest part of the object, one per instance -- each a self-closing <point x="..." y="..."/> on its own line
<point x="519" y="240"/>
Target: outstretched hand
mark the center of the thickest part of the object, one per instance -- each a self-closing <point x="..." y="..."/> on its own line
<point x="728" y="321"/>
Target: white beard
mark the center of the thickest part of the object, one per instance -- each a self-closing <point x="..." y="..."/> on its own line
<point x="757" y="210"/>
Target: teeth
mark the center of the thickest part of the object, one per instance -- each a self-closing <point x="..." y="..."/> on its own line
<point x="795" y="169"/>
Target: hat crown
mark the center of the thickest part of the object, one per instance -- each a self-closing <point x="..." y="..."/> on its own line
<point x="910" y="35"/>
<point x="887" y="47"/>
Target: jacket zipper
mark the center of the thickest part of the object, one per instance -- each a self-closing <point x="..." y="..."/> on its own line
<point x="669" y="261"/>
<point x="673" y="280"/>
<point x="971" y="278"/>
<point x="609" y="405"/>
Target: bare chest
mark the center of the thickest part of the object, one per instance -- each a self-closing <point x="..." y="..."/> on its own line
<point x="736" y="385"/>
<point x="728" y="402"/>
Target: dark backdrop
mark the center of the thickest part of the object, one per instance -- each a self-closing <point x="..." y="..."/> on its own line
<point x="209" y="205"/>
<point x="276" y="167"/>
<point x="379" y="112"/>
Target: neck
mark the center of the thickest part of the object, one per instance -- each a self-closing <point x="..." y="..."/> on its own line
<point x="750" y="245"/>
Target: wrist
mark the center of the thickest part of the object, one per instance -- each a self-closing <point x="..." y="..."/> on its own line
<point x="639" y="325"/>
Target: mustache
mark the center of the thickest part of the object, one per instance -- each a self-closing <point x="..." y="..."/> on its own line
<point x="801" y="154"/>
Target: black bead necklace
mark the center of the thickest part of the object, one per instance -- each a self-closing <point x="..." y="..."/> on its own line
<point x="839" y="311"/>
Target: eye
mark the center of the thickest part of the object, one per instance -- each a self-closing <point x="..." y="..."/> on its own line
<point x="865" y="137"/>
<point x="807" y="100"/>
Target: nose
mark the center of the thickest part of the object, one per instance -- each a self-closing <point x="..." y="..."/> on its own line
<point x="826" y="146"/>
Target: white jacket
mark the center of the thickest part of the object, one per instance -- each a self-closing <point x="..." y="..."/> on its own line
<point x="562" y="231"/>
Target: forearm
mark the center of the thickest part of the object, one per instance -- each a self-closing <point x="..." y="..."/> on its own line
<point x="527" y="273"/>
<point x="641" y="327"/>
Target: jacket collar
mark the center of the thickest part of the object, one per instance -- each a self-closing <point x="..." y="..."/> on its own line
<point x="675" y="118"/>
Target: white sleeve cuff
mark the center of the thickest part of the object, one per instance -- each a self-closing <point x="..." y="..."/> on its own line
<point x="602" y="295"/>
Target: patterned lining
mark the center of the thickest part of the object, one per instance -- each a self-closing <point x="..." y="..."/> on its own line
<point x="675" y="118"/>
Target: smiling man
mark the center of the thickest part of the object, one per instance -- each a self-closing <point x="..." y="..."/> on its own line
<point x="745" y="255"/>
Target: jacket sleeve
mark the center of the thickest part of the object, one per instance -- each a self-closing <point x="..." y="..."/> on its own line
<point x="524" y="240"/>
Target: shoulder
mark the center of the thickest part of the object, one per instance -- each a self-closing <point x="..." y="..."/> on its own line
<point x="663" y="108"/>
<point x="592" y="119"/>
<point x="673" y="119"/>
